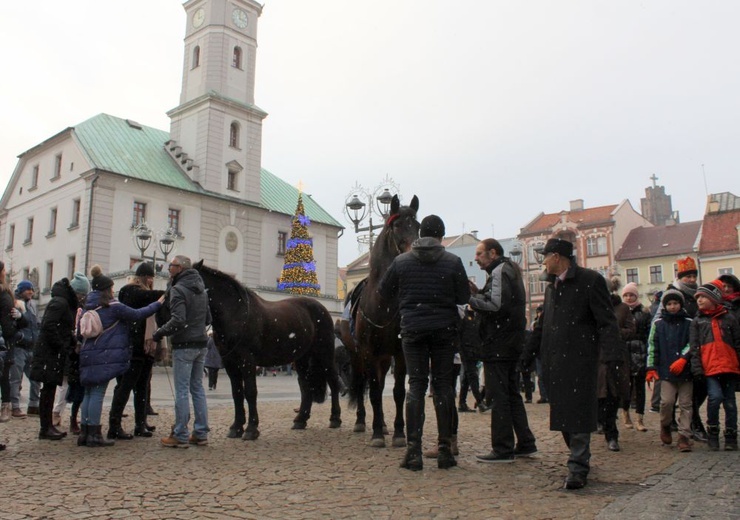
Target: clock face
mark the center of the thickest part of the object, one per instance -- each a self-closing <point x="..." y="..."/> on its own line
<point x="240" y="18"/>
<point x="199" y="17"/>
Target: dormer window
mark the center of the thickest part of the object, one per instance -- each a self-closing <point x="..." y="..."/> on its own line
<point x="234" y="135"/>
<point x="236" y="60"/>
<point x="196" y="57"/>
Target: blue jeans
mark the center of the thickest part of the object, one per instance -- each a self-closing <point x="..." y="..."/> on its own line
<point x="22" y="365"/>
<point x="92" y="404"/>
<point x="721" y="391"/>
<point x="188" y="365"/>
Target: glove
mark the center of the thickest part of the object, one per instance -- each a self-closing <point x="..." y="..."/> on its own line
<point x="157" y="336"/>
<point x="677" y="366"/>
<point x="651" y="376"/>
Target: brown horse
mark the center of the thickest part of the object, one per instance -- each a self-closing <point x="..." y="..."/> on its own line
<point x="377" y="328"/>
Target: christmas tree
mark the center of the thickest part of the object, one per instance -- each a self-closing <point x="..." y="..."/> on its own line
<point x="299" y="270"/>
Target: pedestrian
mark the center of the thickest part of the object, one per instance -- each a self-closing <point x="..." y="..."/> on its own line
<point x="212" y="362"/>
<point x="11" y="321"/>
<point x="50" y="358"/>
<point x="501" y="309"/>
<point x="668" y="355"/>
<point x="731" y="293"/>
<point x="137" y="294"/>
<point x="715" y="345"/>
<point x="107" y="355"/>
<point x="23" y="353"/>
<point x="469" y="353"/>
<point x="430" y="283"/>
<point x="577" y="323"/>
<point x="190" y="314"/>
<point x="637" y="348"/>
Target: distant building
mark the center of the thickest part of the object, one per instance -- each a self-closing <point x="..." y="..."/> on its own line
<point x="719" y="247"/>
<point x="648" y="255"/>
<point x="657" y="206"/>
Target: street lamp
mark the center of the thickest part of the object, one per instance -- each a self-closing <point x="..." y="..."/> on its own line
<point x="378" y="203"/>
<point x="143" y="237"/>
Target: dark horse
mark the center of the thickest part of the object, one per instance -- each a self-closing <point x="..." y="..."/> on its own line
<point x="377" y="328"/>
<point x="251" y="332"/>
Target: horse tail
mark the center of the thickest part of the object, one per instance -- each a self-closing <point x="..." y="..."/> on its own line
<point x="321" y="361"/>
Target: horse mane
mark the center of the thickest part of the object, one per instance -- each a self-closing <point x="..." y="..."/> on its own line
<point x="225" y="278"/>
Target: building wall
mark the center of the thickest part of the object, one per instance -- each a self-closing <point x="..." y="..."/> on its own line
<point x="711" y="267"/>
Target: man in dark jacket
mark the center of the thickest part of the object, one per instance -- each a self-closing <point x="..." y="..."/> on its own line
<point x="430" y="283"/>
<point x="501" y="307"/>
<point x="23" y="353"/>
<point x="188" y="305"/>
<point x="577" y="323"/>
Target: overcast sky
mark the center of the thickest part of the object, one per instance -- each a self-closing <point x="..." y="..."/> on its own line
<point x="490" y="111"/>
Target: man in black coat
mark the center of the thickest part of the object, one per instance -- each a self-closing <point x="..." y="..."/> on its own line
<point x="501" y="308"/>
<point x="429" y="283"/>
<point x="577" y="324"/>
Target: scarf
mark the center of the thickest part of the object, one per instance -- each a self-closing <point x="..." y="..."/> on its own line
<point x="635" y="304"/>
<point x="731" y="297"/>
<point x="686" y="288"/>
<point x="150" y="346"/>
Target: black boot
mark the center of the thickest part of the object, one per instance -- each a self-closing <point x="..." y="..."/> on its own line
<point x="445" y="458"/>
<point x="142" y="430"/>
<point x="730" y="440"/>
<point x="82" y="439"/>
<point x="713" y="437"/>
<point x="50" y="434"/>
<point x="412" y="460"/>
<point x="115" y="431"/>
<point x="95" y="437"/>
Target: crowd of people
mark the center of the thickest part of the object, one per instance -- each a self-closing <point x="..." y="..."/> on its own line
<point x="593" y="347"/>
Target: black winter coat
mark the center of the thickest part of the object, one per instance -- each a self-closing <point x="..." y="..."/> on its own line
<point x="57" y="336"/>
<point x="137" y="297"/>
<point x="577" y="323"/>
<point x="638" y="347"/>
<point x="11" y="327"/>
<point x="430" y="283"/>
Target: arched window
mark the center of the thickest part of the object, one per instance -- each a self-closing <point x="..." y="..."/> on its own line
<point x="236" y="60"/>
<point x="196" y="56"/>
<point x="234" y="135"/>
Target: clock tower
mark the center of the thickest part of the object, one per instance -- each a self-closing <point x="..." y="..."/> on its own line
<point x="216" y="131"/>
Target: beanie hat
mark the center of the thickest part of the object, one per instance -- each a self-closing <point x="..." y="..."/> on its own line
<point x="731" y="280"/>
<point x="145" y="269"/>
<point x="24" y="285"/>
<point x="100" y="282"/>
<point x="559" y="246"/>
<point x="712" y="291"/>
<point x="631" y="288"/>
<point x="432" y="226"/>
<point x="80" y="284"/>
<point x="672" y="295"/>
<point x="686" y="266"/>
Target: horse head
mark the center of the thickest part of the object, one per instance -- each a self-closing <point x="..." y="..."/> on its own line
<point x="401" y="227"/>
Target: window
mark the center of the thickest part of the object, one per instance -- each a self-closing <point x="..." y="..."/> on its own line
<point x="11" y="237"/>
<point x="57" y="166"/>
<point x="35" y="177"/>
<point x="632" y="275"/>
<point x="724" y="270"/>
<point x="52" y="222"/>
<point x="196" y="57"/>
<point x="75" y="214"/>
<point x="139" y="214"/>
<point x="656" y="274"/>
<point x="173" y="220"/>
<point x="29" y="231"/>
<point x="236" y="60"/>
<point x="71" y="266"/>
<point x="234" y="135"/>
<point x="231" y="183"/>
<point x="49" y="274"/>
<point x="596" y="246"/>
<point x="282" y="242"/>
<point x="26" y="273"/>
<point x="536" y="286"/>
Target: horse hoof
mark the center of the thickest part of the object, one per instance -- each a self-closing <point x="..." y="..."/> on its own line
<point x="385" y="430"/>
<point x="250" y="435"/>
<point x="335" y="423"/>
<point x="299" y="426"/>
<point x="359" y="428"/>
<point x="235" y="433"/>
<point x="377" y="443"/>
<point x="399" y="442"/>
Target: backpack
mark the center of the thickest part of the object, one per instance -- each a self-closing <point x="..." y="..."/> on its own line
<point x="89" y="324"/>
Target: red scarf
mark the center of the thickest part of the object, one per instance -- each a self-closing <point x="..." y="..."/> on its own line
<point x="731" y="297"/>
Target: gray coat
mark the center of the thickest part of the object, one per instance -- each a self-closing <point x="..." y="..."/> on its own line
<point x="577" y="323"/>
<point x="189" y="312"/>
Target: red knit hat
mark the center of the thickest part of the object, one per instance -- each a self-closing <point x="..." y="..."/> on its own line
<point x="686" y="266"/>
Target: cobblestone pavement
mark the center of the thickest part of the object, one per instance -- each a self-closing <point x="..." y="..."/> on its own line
<point x="325" y="473"/>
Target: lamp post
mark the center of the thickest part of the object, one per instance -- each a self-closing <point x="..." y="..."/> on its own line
<point x="378" y="203"/>
<point x="165" y="243"/>
<point x="519" y="253"/>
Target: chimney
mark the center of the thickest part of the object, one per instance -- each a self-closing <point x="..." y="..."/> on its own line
<point x="576" y="205"/>
<point x="474" y="233"/>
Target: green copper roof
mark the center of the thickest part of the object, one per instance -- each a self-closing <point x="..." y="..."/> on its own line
<point x="133" y="150"/>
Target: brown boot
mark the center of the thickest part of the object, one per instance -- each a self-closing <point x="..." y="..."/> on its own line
<point x="627" y="419"/>
<point x="683" y="444"/>
<point x="4" y="412"/>
<point x="433" y="453"/>
<point x="665" y="435"/>
<point x="640" y="426"/>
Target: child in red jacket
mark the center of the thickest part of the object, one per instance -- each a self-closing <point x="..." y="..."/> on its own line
<point x="715" y="344"/>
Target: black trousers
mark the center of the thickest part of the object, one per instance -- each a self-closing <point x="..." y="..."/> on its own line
<point x="637" y="389"/>
<point x="212" y="376"/>
<point x="469" y="379"/>
<point x="608" y="407"/>
<point x="136" y="378"/>
<point x="46" y="405"/>
<point x="508" y="415"/>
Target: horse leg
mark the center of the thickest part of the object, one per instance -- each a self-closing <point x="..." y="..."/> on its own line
<point x="377" y="382"/>
<point x="252" y="432"/>
<point x="399" y="397"/>
<point x="335" y="419"/>
<point x="237" y="393"/>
